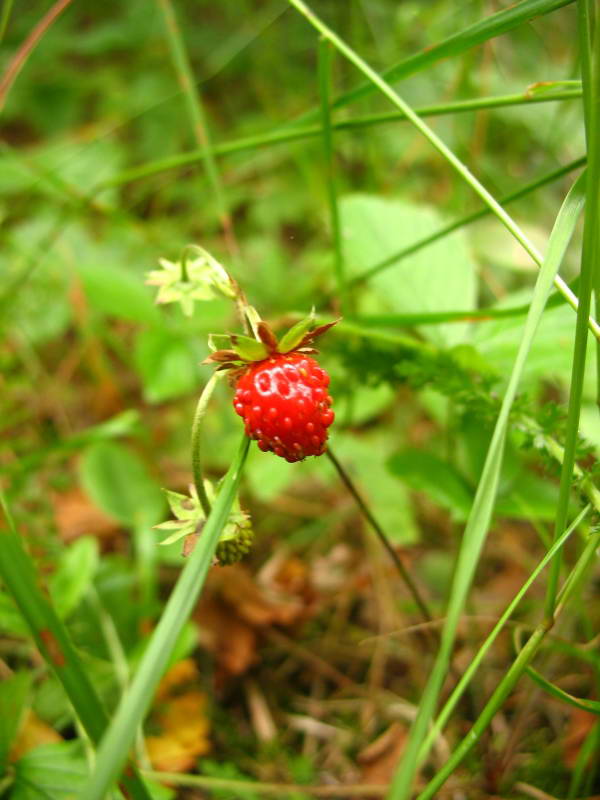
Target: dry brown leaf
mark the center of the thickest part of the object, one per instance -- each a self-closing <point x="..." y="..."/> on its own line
<point x="258" y="605"/>
<point x="180" y="716"/>
<point x="76" y="516"/>
<point x="230" y="638"/>
<point x="380" y="758"/>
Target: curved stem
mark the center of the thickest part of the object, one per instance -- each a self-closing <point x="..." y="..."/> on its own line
<point x="197" y="441"/>
<point x="360" y="502"/>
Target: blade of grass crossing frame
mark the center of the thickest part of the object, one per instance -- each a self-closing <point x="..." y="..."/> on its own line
<point x="510" y="679"/>
<point x="310" y="131"/>
<point x="197" y="117"/>
<point x="589" y="278"/>
<point x="587" y="23"/>
<point x="53" y="641"/>
<point x="478" y="33"/>
<point x="439" y="145"/>
<point x="334" y="215"/>
<point x="481" y="511"/>
<point x="445" y="230"/>
<point x="135" y="702"/>
<point x="474" y="664"/>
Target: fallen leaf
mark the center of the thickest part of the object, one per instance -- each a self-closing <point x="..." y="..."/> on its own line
<point x="76" y="516"/>
<point x="180" y="717"/>
<point x="380" y="758"/>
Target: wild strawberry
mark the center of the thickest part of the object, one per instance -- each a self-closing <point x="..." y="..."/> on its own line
<point x="284" y="403"/>
<point x="280" y="391"/>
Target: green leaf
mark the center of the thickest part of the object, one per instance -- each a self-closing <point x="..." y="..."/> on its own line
<point x="118" y="293"/>
<point x="166" y="363"/>
<point x="56" y="771"/>
<point x="14" y="693"/>
<point x="119" y="483"/>
<point x="427" y="473"/>
<point x="365" y="456"/>
<point x="440" y="278"/>
<point x="74" y="574"/>
<point x="296" y="333"/>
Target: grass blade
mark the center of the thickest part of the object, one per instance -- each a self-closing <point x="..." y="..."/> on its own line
<point x="445" y="230"/>
<point x="134" y="704"/>
<point x="459" y="689"/>
<point x="593" y="706"/>
<point x="53" y="640"/>
<point x="478" y="33"/>
<point x="312" y="131"/>
<point x="481" y="512"/>
<point x="589" y="278"/>
<point x="197" y="117"/>
<point x="508" y="682"/>
<point x="334" y="214"/>
<point x="461" y="168"/>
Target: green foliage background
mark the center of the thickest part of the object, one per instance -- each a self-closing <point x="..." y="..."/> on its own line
<point x="99" y="385"/>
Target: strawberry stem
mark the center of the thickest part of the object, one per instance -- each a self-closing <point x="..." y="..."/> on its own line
<point x="366" y="511"/>
<point x="197" y="441"/>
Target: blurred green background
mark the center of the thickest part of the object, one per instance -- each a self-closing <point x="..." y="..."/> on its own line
<point x="98" y="384"/>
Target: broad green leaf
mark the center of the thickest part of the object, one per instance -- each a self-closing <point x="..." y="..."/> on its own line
<point x="365" y="458"/>
<point x="166" y="363"/>
<point x="119" y="483"/>
<point x="56" y="771"/>
<point x="427" y="473"/>
<point x="74" y="574"/>
<point x="14" y="693"/>
<point x="439" y="278"/>
<point x="118" y="293"/>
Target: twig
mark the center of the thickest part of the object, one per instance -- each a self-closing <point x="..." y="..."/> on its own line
<point x="410" y="584"/>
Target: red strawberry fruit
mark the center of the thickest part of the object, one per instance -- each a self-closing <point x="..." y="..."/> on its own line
<point x="280" y="391"/>
<point x="285" y="405"/>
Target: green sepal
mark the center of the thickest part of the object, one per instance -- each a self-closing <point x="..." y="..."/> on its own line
<point x="247" y="348"/>
<point x="219" y="341"/>
<point x="244" y="347"/>
<point x="296" y="333"/>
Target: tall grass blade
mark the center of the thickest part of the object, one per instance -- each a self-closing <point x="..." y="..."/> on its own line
<point x="589" y="278"/>
<point x="483" y="649"/>
<point x="440" y="146"/>
<point x="510" y="679"/>
<point x="53" y="640"/>
<point x="328" y="153"/>
<point x="311" y="131"/>
<point x="135" y="702"/>
<point x="197" y="116"/>
<point x="495" y="25"/>
<point x="481" y="512"/>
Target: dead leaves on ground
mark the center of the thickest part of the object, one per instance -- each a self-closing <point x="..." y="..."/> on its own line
<point x="236" y="607"/>
<point x="180" y="719"/>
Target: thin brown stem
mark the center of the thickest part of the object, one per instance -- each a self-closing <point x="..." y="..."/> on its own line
<point x="368" y="515"/>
